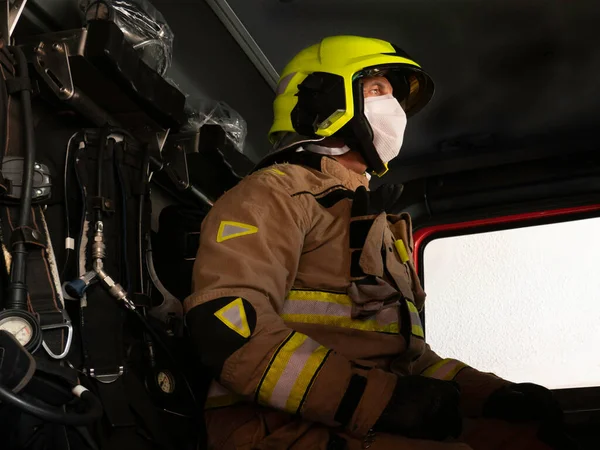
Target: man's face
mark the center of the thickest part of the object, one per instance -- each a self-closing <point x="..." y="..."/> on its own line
<point x="376" y="86"/>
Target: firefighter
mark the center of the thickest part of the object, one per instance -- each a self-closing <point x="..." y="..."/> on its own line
<point x="305" y="299"/>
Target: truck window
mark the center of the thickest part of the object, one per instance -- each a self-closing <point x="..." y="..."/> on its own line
<point x="523" y="303"/>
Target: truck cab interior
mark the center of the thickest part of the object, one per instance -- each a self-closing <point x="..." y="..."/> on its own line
<point x="173" y="101"/>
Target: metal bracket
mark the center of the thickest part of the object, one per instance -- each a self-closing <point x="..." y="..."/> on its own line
<point x="170" y="305"/>
<point x="74" y="39"/>
<point x="175" y="164"/>
<point x="66" y="324"/>
<point x="11" y="13"/>
<point x="156" y="139"/>
<point x="105" y="378"/>
<point x="51" y="61"/>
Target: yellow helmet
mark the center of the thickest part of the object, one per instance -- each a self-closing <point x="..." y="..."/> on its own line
<point x="320" y="91"/>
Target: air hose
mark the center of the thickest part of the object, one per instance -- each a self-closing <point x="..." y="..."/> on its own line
<point x="93" y="413"/>
<point x="17" y="289"/>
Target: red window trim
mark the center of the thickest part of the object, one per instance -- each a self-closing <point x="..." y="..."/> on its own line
<point x="421" y="235"/>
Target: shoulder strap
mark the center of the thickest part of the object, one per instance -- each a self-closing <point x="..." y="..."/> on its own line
<point x="45" y="295"/>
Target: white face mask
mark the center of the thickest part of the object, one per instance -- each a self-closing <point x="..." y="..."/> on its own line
<point x="388" y="121"/>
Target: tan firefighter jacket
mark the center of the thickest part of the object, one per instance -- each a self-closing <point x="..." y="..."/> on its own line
<point x="309" y="310"/>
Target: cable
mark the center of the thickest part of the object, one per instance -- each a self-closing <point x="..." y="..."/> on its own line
<point x="93" y="413"/>
<point x="102" y="145"/>
<point x="17" y="290"/>
<point x="123" y="223"/>
<point x="4" y="105"/>
<point x="68" y="250"/>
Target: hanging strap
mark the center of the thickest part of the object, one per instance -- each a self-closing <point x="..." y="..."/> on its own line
<point x="44" y="297"/>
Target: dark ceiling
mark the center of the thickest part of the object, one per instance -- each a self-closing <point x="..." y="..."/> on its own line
<point x="509" y="73"/>
<point x="515" y="78"/>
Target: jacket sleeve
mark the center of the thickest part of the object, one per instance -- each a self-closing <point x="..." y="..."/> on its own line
<point x="475" y="386"/>
<point x="250" y="246"/>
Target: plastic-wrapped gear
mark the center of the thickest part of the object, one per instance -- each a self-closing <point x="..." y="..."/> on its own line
<point x="209" y="112"/>
<point x="143" y="25"/>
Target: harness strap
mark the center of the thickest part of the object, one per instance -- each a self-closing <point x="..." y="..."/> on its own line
<point x="15" y="85"/>
<point x="44" y="297"/>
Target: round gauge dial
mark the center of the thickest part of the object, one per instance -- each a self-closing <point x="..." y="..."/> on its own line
<point x="166" y="382"/>
<point x="20" y="328"/>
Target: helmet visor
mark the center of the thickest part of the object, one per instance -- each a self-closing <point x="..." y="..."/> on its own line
<point x="411" y="86"/>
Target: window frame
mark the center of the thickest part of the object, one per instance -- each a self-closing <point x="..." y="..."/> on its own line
<point x="580" y="404"/>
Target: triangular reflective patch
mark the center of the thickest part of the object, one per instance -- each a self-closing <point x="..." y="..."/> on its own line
<point x="230" y="230"/>
<point x="234" y="316"/>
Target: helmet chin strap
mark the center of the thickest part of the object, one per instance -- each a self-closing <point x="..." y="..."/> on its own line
<point x="326" y="150"/>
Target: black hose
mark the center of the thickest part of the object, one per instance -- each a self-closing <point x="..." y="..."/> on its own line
<point x="17" y="290"/>
<point x="4" y="114"/>
<point x="102" y="145"/>
<point x="93" y="413"/>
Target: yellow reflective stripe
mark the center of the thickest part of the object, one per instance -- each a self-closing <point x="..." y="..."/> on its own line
<point x="417" y="330"/>
<point x="339" y="316"/>
<point x="304" y="381"/>
<point x="446" y="369"/>
<point x="343" y="322"/>
<point x="291" y="372"/>
<point x="415" y="320"/>
<point x="233" y="315"/>
<point x="402" y="252"/>
<point x="230" y="230"/>
<point x="277" y="365"/>
<point x="319" y="296"/>
<point x="412" y="307"/>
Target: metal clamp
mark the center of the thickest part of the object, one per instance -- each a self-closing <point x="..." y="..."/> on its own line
<point x="175" y="164"/>
<point x="12" y="172"/>
<point x="66" y="324"/>
<point x="106" y="378"/>
<point x="51" y="61"/>
<point x="10" y="13"/>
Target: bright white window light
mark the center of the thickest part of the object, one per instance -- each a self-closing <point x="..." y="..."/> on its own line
<point x="523" y="303"/>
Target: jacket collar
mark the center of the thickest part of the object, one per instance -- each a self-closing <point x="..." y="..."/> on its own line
<point x="324" y="164"/>
<point x="348" y="178"/>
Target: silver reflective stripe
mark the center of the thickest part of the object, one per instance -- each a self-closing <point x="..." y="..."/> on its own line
<point x="312" y="307"/>
<point x="334" y="309"/>
<point x="290" y="374"/>
<point x="229" y="230"/>
<point x="415" y="319"/>
<point x="234" y="316"/>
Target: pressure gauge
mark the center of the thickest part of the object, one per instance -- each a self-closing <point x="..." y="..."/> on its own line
<point x="166" y="381"/>
<point x="23" y="326"/>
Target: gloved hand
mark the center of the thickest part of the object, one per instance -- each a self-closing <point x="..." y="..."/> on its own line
<point x="422" y="408"/>
<point x="385" y="198"/>
<point x="527" y="402"/>
<point x="523" y="402"/>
